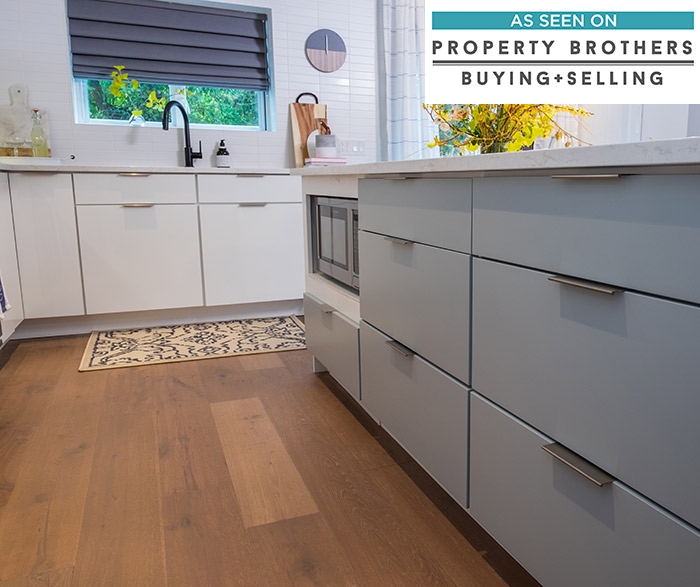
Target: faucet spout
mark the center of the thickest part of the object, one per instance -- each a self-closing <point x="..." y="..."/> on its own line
<point x="190" y="155"/>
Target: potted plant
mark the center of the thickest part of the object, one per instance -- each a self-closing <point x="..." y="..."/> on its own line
<point x="497" y="128"/>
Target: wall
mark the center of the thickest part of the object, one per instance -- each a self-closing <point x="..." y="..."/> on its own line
<point x="34" y="49"/>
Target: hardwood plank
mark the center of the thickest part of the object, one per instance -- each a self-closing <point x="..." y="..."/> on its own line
<point x="205" y="540"/>
<point x="260" y="361"/>
<point x="24" y="400"/>
<point x="121" y="541"/>
<point x="224" y="379"/>
<point x="380" y="544"/>
<point x="309" y="393"/>
<point x="40" y="527"/>
<point x="306" y="552"/>
<point x="189" y="449"/>
<point x="460" y="560"/>
<point x="56" y="578"/>
<point x="131" y="390"/>
<point x="267" y="483"/>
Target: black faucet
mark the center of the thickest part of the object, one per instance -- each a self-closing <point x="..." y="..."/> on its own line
<point x="190" y="155"/>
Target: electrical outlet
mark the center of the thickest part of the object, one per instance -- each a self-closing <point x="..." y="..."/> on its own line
<point x="350" y="148"/>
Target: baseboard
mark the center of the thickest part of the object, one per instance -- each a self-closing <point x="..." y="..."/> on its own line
<point x="64" y="326"/>
<point x="493" y="553"/>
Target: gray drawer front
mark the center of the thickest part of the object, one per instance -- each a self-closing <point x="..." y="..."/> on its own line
<point x="334" y="340"/>
<point x="431" y="211"/>
<point x="421" y="407"/>
<point x="420" y="296"/>
<point x="614" y="378"/>
<point x="561" y="527"/>
<point x="639" y="232"/>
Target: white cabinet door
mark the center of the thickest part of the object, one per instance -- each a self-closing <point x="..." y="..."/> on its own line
<point x="252" y="253"/>
<point x="8" y="263"/>
<point x="47" y="244"/>
<point x="140" y="258"/>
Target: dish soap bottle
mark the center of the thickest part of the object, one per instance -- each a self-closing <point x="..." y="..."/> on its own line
<point x="37" y="137"/>
<point x="222" y="156"/>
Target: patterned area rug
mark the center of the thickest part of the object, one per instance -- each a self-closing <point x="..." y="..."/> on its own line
<point x="166" y="344"/>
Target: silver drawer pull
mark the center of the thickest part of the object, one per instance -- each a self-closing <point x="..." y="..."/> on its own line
<point x="398" y="241"/>
<point x="591" y="176"/>
<point x="578" y="464"/>
<point x="134" y="174"/>
<point x="252" y="204"/>
<point x="250" y="175"/>
<point x="584" y="284"/>
<point x="326" y="308"/>
<point x="138" y="205"/>
<point x="399" y="348"/>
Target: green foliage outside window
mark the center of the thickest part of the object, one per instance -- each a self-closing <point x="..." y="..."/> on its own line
<point x="207" y="105"/>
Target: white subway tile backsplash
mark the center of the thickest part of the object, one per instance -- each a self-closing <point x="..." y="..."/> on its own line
<point x="44" y="67"/>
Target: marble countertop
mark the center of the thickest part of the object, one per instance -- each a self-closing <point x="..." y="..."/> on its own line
<point x="71" y="168"/>
<point x="672" y="154"/>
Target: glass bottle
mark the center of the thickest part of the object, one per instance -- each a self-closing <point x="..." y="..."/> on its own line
<point x="37" y="137"/>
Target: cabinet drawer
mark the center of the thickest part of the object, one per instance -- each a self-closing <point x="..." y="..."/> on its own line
<point x="613" y="377"/>
<point x="430" y="211"/>
<point x="140" y="258"/>
<point x="561" y="527"/>
<point x="124" y="188"/>
<point x="419" y="295"/>
<point x="424" y="409"/>
<point x="249" y="188"/>
<point x="334" y="340"/>
<point x="639" y="232"/>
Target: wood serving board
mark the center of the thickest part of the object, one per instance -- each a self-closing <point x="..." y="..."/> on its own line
<point x="306" y="118"/>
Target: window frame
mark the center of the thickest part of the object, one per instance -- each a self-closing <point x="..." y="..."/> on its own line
<point x="267" y="112"/>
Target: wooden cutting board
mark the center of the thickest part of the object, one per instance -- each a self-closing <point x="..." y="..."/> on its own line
<point x="305" y="118"/>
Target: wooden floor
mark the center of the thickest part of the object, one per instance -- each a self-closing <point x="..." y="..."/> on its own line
<point x="233" y="471"/>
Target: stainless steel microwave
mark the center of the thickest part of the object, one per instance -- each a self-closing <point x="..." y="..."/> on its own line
<point x="334" y="229"/>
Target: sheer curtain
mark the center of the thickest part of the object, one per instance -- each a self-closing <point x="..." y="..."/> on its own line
<point x="404" y="127"/>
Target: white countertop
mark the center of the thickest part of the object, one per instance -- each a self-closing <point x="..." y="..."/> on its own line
<point x="670" y="153"/>
<point x="71" y="168"/>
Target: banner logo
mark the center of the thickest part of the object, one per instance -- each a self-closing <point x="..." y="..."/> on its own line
<point x="521" y="56"/>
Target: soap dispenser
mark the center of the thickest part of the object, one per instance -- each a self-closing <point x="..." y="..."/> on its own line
<point x="223" y="158"/>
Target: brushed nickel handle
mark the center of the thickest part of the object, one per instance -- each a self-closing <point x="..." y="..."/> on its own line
<point x="578" y="464"/>
<point x="399" y="348"/>
<point x="398" y="241"/>
<point x="134" y="174"/>
<point x="250" y="174"/>
<point x="326" y="308"/>
<point x="252" y="204"/>
<point x="591" y="176"/>
<point x="137" y="205"/>
<point x="585" y="284"/>
<point x="400" y="178"/>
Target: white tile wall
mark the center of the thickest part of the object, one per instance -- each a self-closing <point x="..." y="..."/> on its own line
<point x="34" y="49"/>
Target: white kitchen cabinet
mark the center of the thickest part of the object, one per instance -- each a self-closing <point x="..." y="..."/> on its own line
<point x="140" y="257"/>
<point x="8" y="263"/>
<point x="252" y="253"/>
<point x="248" y="187"/>
<point x="47" y="244"/>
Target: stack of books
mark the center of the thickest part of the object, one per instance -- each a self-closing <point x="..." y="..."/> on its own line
<point x="322" y="161"/>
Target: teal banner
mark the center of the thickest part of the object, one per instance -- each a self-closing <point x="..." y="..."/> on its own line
<point x="643" y="21"/>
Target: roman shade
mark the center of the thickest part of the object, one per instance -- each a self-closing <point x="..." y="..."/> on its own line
<point x="167" y="42"/>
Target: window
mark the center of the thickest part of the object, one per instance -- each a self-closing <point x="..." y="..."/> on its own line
<point x="215" y="60"/>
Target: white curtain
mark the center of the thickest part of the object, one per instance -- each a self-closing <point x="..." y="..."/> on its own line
<point x="405" y="128"/>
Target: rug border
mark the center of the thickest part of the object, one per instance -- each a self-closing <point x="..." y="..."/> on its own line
<point x="95" y="333"/>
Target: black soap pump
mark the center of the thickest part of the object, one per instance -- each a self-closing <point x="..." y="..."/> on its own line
<point x="223" y="159"/>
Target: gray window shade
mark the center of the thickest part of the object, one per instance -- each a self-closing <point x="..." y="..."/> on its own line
<point x="165" y="42"/>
